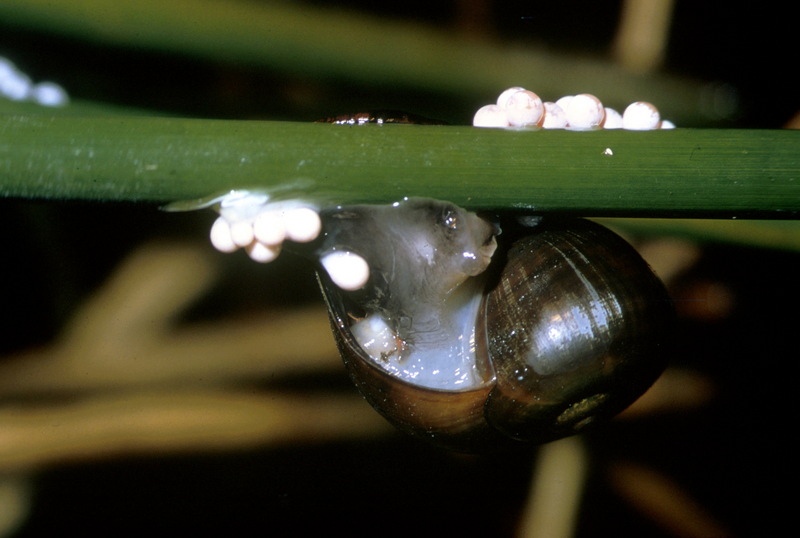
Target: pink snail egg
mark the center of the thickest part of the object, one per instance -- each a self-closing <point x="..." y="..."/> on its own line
<point x="613" y="119"/>
<point x="302" y="224"/>
<point x="242" y="232"/>
<point x="554" y="116"/>
<point x="269" y="227"/>
<point x="220" y="236"/>
<point x="563" y="102"/>
<point x="524" y="108"/>
<point x="262" y="253"/>
<point x="502" y="99"/>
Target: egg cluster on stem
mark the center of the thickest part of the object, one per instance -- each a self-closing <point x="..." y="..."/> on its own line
<point x="517" y="107"/>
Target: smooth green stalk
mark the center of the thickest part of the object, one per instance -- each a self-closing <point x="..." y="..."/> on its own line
<point x="681" y="172"/>
<point x="80" y="108"/>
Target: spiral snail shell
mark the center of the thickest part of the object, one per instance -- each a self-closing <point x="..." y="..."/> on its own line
<point x="477" y="334"/>
<point x="477" y="348"/>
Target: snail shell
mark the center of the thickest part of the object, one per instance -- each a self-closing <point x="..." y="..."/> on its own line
<point x="567" y="326"/>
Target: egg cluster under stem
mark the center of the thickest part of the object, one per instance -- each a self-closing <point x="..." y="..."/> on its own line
<point x="251" y="221"/>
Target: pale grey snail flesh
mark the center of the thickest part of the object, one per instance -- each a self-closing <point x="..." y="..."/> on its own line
<point x="566" y="326"/>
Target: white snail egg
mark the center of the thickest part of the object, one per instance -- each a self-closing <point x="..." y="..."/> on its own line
<point x="221" y="236"/>
<point x="524" y="108"/>
<point x="302" y="224"/>
<point x="666" y="124"/>
<point x="640" y="116"/>
<point x="490" y="116"/>
<point x="15" y="85"/>
<point x="346" y="269"/>
<point x="502" y="99"/>
<point x="49" y="94"/>
<point x="7" y="68"/>
<point x="584" y="111"/>
<point x="613" y="119"/>
<point x="554" y="116"/>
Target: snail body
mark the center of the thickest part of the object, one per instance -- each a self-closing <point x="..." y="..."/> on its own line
<point x="473" y="333"/>
<point x="415" y="317"/>
<point x="567" y="325"/>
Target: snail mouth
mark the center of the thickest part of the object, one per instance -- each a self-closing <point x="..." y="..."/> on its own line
<point x="487" y="250"/>
<point x="477" y="261"/>
<point x="483" y="256"/>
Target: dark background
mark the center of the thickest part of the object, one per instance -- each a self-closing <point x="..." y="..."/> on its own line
<point x="743" y="45"/>
<point x="730" y="455"/>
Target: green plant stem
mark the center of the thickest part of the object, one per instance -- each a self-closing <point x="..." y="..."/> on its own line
<point x="681" y="172"/>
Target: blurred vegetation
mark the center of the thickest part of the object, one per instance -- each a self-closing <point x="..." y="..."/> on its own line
<point x="315" y="48"/>
<point x="144" y="374"/>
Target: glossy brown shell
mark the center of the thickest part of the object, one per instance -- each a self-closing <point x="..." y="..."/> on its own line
<point x="576" y="328"/>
